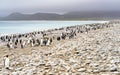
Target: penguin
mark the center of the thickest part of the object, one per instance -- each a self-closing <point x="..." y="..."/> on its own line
<point x="8" y="45"/>
<point x="58" y="38"/>
<point x="23" y="44"/>
<point x="51" y="40"/>
<point x="41" y="41"/>
<point x="38" y="41"/>
<point x="48" y="42"/>
<point x="6" y="62"/>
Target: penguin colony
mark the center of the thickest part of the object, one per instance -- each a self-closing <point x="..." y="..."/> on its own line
<point x="45" y="38"/>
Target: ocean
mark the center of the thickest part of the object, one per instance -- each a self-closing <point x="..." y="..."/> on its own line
<point x="16" y="27"/>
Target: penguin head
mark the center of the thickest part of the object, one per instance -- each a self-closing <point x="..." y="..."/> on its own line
<point x="7" y="56"/>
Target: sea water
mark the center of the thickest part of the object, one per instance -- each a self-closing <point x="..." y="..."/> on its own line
<point x="16" y="27"/>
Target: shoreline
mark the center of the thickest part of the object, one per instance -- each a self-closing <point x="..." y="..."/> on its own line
<point x="48" y="28"/>
<point x="35" y="30"/>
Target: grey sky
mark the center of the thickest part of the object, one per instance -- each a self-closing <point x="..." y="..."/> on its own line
<point x="57" y="6"/>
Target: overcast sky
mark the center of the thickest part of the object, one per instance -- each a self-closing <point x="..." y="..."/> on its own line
<point x="57" y="6"/>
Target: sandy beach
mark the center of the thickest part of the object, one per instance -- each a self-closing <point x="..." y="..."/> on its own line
<point x="96" y="52"/>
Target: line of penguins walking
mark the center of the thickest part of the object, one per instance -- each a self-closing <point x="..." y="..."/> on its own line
<point x="30" y="39"/>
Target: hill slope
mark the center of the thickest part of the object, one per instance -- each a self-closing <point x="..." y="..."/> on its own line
<point x="98" y="15"/>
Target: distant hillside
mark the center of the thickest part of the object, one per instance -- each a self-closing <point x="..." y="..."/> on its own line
<point x="68" y="16"/>
<point x="37" y="16"/>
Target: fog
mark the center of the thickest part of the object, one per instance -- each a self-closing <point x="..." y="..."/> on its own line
<point x="56" y="6"/>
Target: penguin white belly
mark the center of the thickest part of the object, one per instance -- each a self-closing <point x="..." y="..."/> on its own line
<point x="24" y="43"/>
<point x="48" y="42"/>
<point x="7" y="62"/>
<point x="41" y="41"/>
<point x="32" y="44"/>
<point x="28" y="41"/>
<point x="11" y="46"/>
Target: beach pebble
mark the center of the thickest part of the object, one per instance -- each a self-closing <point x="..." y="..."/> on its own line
<point x="81" y="70"/>
<point x="94" y="64"/>
<point x="15" y="73"/>
<point x="113" y="68"/>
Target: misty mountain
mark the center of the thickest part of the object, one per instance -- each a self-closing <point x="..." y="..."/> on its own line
<point x="98" y="15"/>
<point x="37" y="16"/>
